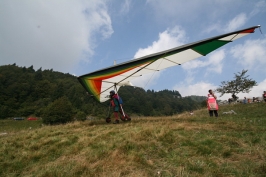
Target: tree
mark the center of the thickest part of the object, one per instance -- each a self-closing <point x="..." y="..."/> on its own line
<point x="59" y="111"/>
<point x="25" y="92"/>
<point x="241" y="83"/>
<point x="81" y="116"/>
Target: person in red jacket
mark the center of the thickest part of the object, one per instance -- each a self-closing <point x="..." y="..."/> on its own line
<point x="212" y="104"/>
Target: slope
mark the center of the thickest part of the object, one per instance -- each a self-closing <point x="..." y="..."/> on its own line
<point x="180" y="145"/>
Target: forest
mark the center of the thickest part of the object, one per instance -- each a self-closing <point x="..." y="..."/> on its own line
<point x="27" y="92"/>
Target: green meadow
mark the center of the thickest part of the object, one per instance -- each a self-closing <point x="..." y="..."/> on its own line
<point x="180" y="145"/>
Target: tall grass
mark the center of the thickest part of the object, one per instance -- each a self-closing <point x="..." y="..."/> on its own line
<point x="180" y="145"/>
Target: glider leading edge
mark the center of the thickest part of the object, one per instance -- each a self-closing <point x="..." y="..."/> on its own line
<point x="100" y="83"/>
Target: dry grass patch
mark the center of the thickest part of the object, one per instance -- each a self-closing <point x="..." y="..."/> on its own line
<point x="179" y="145"/>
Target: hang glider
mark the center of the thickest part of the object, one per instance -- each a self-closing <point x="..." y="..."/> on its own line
<point x="100" y="83"/>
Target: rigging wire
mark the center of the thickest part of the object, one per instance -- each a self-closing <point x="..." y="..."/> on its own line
<point x="260" y="29"/>
<point x="153" y="74"/>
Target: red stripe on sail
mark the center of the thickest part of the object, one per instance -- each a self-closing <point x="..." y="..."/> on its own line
<point x="248" y="31"/>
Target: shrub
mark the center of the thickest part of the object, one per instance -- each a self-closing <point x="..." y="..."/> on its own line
<point x="58" y="112"/>
<point x="81" y="116"/>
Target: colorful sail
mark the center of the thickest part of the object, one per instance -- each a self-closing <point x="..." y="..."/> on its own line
<point x="100" y="83"/>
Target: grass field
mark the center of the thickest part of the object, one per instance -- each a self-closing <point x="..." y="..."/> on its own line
<point x="180" y="145"/>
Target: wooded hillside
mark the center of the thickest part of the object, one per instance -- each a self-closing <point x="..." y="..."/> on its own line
<point x="25" y="92"/>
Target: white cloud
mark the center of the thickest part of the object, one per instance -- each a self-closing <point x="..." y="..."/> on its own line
<point x="236" y="22"/>
<point x="183" y="12"/>
<point x="51" y="34"/>
<point x="259" y="7"/>
<point x="125" y="7"/>
<point x="213" y="27"/>
<point x="251" y="54"/>
<point x="168" y="39"/>
<point x="239" y="20"/>
<point x="257" y="90"/>
<point x="98" y="18"/>
<point x="199" y="88"/>
<point x="189" y="9"/>
<point x="190" y="77"/>
<point x="215" y="61"/>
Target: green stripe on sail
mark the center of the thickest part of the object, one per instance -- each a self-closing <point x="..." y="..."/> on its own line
<point x="207" y="48"/>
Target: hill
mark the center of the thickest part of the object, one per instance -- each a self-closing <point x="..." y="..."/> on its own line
<point x="25" y="92"/>
<point x="178" y="145"/>
<point x="197" y="98"/>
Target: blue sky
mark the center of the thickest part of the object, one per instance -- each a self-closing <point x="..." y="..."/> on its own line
<point x="81" y="36"/>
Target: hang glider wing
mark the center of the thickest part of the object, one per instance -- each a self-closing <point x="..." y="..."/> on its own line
<point x="101" y="82"/>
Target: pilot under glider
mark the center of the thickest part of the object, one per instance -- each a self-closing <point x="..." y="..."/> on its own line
<point x="100" y="83"/>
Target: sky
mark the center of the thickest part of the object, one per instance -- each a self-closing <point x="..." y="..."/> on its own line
<point x="81" y="36"/>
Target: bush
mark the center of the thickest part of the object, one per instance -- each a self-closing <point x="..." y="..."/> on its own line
<point x="58" y="112"/>
<point x="81" y="116"/>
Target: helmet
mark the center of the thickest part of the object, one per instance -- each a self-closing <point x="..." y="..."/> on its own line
<point x="112" y="92"/>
